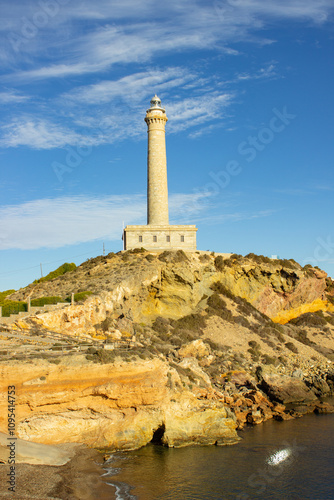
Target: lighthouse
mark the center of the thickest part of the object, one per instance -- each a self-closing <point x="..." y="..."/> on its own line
<point x="157" y="190"/>
<point x="158" y="234"/>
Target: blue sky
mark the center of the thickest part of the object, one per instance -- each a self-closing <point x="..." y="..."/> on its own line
<point x="248" y="90"/>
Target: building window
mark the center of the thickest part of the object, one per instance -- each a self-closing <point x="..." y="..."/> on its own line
<point x="155" y="239"/>
<point x="168" y="239"/>
<point x="182" y="239"/>
<point x="140" y="239"/>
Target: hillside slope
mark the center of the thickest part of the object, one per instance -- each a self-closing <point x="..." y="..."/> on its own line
<point x="199" y="345"/>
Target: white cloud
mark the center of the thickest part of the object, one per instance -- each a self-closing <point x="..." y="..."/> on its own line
<point x="131" y="88"/>
<point x="233" y="217"/>
<point x="125" y="36"/>
<point x="56" y="222"/>
<point x="40" y="134"/>
<point x="12" y="96"/>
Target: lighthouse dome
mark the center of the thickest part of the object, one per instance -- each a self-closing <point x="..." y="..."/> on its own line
<point x="156" y="104"/>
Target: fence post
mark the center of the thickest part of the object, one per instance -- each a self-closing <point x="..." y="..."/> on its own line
<point x="72" y="299"/>
<point x="0" y="311"/>
<point x="29" y="304"/>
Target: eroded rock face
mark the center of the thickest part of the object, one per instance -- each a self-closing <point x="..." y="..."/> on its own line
<point x="116" y="405"/>
<point x="139" y="290"/>
<point x="286" y="389"/>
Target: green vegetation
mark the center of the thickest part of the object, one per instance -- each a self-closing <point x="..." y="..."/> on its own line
<point x="172" y="256"/>
<point x="13" y="307"/>
<point x="219" y="263"/>
<point x="4" y="294"/>
<point x="65" y="268"/>
<point x="216" y="302"/>
<point x="309" y="319"/>
<point x="42" y="301"/>
<point x="79" y="296"/>
<point x="220" y="288"/>
<point x="192" y="322"/>
<point x="291" y="346"/>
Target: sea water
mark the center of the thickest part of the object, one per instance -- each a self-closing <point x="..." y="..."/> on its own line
<point x="291" y="460"/>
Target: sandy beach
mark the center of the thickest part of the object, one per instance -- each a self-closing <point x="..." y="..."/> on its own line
<point x="79" y="479"/>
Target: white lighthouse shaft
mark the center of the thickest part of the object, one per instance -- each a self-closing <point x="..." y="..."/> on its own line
<point x="157" y="190"/>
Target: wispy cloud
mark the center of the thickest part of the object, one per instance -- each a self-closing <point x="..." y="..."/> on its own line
<point x="306" y="190"/>
<point x="12" y="96"/>
<point x="56" y="222"/>
<point x="124" y="35"/>
<point x="232" y="217"/>
<point x="131" y="88"/>
<point x="40" y="134"/>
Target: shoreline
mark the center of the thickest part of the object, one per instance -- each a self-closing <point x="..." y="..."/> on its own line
<point x="80" y="478"/>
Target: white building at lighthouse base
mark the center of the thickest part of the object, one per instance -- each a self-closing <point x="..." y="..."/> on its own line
<point x="169" y="237"/>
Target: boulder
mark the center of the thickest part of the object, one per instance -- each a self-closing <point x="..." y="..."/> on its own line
<point x="210" y="426"/>
<point x="286" y="389"/>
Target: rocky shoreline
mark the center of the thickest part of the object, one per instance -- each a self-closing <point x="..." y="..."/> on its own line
<point x="169" y="348"/>
<point x="79" y="479"/>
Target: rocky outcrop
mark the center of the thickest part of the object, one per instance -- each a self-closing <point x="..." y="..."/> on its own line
<point x="142" y="286"/>
<point x="118" y="405"/>
<point x="192" y="353"/>
<point x="286" y="389"/>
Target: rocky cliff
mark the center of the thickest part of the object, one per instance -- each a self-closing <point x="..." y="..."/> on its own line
<point x="198" y="345"/>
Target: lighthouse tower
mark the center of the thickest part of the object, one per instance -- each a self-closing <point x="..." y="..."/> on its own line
<point x="157" y="191"/>
<point x="158" y="234"/>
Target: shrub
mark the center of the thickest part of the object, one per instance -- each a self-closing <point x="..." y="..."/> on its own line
<point x="13" y="307"/>
<point x="215" y="301"/>
<point x="269" y="360"/>
<point x="161" y="325"/>
<point x="4" y="294"/>
<point x="175" y="340"/>
<point x="291" y="347"/>
<point x="254" y="344"/>
<point x="55" y="361"/>
<point x="184" y="335"/>
<point x="102" y="356"/>
<point x="138" y="250"/>
<point x="105" y="324"/>
<point x="79" y="296"/>
<point x="204" y="258"/>
<point x="259" y="259"/>
<point x="255" y="353"/>
<point x="220" y="288"/>
<point x="308" y="319"/>
<point x="219" y="263"/>
<point x="42" y="301"/>
<point x="303" y="338"/>
<point x="193" y="322"/>
<point x="242" y="321"/>
<point x="150" y="257"/>
<point x="64" y="268"/>
<point x="172" y="256"/>
<point x="236" y="256"/>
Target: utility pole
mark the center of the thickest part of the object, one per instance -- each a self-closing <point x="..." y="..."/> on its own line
<point x="104" y="250"/>
<point x="41" y="270"/>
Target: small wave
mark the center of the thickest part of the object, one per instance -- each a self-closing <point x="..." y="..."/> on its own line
<point x="111" y="471"/>
<point x="123" y="491"/>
